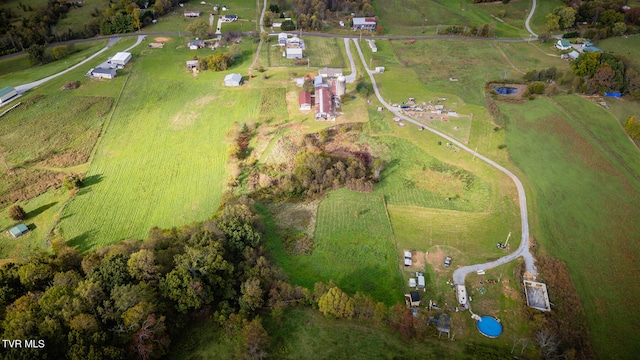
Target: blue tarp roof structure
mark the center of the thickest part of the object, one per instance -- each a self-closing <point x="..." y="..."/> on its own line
<point x="615" y="94"/>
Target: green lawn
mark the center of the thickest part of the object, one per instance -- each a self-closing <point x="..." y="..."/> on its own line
<point x="582" y="198"/>
<point x="628" y="46"/>
<point x="161" y="161"/>
<point x="42" y="213"/>
<point x="17" y="70"/>
<point x="320" y="51"/>
<point x="354" y="250"/>
<point x="438" y="13"/>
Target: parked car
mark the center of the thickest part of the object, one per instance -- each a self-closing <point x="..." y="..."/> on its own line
<point x="447" y="261"/>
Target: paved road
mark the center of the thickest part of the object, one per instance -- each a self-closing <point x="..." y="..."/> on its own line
<point x="26" y="87"/>
<point x="526" y="23"/>
<point x="351" y="77"/>
<point x="523" y="250"/>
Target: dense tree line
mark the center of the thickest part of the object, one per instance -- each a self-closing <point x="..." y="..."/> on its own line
<point x="315" y="169"/>
<point x="485" y="30"/>
<point x="215" y="62"/>
<point x="600" y="72"/>
<point x="127" y="300"/>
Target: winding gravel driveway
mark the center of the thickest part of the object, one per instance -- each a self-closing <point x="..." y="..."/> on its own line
<point x="526" y="23"/>
<point x="26" y="87"/>
<point x="523" y="250"/>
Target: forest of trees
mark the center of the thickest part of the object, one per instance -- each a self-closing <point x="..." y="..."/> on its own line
<point x="600" y="72"/>
<point x="38" y="25"/>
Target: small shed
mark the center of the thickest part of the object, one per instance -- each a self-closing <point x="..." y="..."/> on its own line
<point x="103" y="73"/>
<point x="305" y="100"/>
<point x="192" y="64"/>
<point x="407" y="262"/>
<point x="294" y="53"/>
<point x="7" y="94"/>
<point x="412" y="282"/>
<point x="421" y="281"/>
<point x="407" y="254"/>
<point x="18" y="231"/>
<point x="232" y="80"/>
<point x="379" y="69"/>
<point x="192" y="13"/>
<point x="121" y="58"/>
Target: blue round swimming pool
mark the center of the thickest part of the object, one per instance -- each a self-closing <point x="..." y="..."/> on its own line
<point x="489" y="326"/>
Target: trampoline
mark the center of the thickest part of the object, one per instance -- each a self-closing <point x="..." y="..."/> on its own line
<point x="489" y="326"/>
<point x="503" y="90"/>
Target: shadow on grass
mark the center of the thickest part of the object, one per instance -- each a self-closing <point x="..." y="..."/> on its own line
<point x="40" y="210"/>
<point x="82" y="242"/>
<point x="92" y="180"/>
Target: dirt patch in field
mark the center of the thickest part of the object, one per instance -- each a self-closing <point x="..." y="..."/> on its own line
<point x="417" y="261"/>
<point x="435" y="257"/>
<point x="205" y="100"/>
<point x="27" y="184"/>
<point x="66" y="159"/>
<point x="182" y="121"/>
<point x="300" y="216"/>
<point x="161" y="39"/>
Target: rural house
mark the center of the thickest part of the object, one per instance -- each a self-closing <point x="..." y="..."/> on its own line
<point x="103" y="73"/>
<point x="412" y="298"/>
<point x="18" y="231"/>
<point x="305" y="100"/>
<point x="232" y="80"/>
<point x="364" y="23"/>
<point x="192" y="14"/>
<point x="196" y="44"/>
<point x="7" y="94"/>
<point x="282" y="39"/>
<point x="120" y="59"/>
<point x="563" y="44"/>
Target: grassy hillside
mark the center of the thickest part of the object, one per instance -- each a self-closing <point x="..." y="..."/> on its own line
<point x="162" y="159"/>
<point x="583" y="196"/>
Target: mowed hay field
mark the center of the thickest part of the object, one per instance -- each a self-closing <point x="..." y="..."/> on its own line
<point x="587" y="212"/>
<point x="162" y="159"/>
<point x="438" y="13"/>
<point x="353" y="246"/>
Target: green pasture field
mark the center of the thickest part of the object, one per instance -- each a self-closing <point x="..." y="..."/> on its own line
<point x="627" y="46"/>
<point x="320" y="51"/>
<point x="582" y="198"/>
<point x="17" y="70"/>
<point x="472" y="62"/>
<point x="353" y="246"/>
<point x="163" y="147"/>
<point x="78" y="17"/>
<point x="175" y="20"/>
<point x="42" y="214"/>
<point x="543" y="8"/>
<point x="437" y="13"/>
<point x="301" y="331"/>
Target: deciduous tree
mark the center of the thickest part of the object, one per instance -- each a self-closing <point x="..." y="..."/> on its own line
<point x="336" y="303"/>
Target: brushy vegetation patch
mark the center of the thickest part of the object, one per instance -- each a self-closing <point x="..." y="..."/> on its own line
<point x="46" y="131"/>
<point x="273" y="105"/>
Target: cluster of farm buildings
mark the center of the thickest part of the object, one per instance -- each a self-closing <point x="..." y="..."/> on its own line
<point x="107" y="70"/>
<point x="584" y="47"/>
<point x="329" y="86"/>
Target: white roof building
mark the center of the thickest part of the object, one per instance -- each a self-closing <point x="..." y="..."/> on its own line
<point x="232" y="80"/>
<point x="121" y="58"/>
